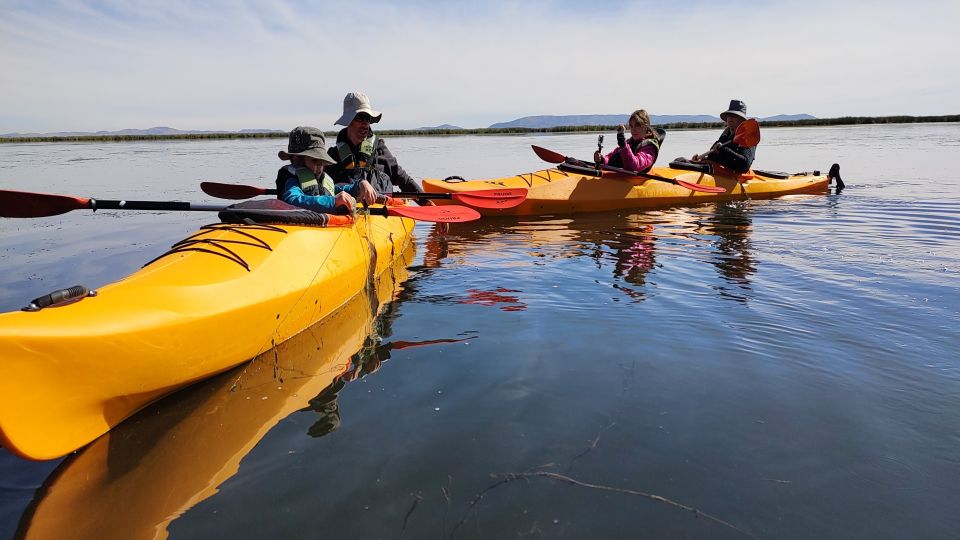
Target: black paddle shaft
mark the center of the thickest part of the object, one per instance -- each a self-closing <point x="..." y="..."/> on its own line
<point x="106" y="204"/>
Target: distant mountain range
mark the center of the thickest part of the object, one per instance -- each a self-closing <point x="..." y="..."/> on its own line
<point x="614" y="119"/>
<point x="525" y="122"/>
<point x="159" y="130"/>
<point x="441" y="126"/>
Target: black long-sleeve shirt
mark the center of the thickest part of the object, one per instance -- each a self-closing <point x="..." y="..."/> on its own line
<point x="384" y="174"/>
<point x="731" y="155"/>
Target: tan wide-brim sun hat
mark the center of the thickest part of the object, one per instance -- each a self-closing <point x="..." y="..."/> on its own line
<point x="355" y="103"/>
<point x="306" y="141"/>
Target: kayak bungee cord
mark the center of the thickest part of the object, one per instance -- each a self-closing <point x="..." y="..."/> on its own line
<point x="191" y="243"/>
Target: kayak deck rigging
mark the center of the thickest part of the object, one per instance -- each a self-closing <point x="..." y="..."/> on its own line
<point x="195" y="243"/>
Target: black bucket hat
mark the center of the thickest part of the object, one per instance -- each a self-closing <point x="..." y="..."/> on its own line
<point x="736" y="107"/>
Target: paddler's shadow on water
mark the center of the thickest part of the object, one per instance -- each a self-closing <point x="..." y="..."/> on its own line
<point x="366" y="361"/>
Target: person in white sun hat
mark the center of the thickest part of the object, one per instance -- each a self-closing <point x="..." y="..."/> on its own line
<point x="362" y="159"/>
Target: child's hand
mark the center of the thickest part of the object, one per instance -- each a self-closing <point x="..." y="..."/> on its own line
<point x="367" y="194"/>
<point x="346" y="200"/>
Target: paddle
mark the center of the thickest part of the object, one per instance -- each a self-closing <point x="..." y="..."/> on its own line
<point x="747" y="134"/>
<point x="487" y="198"/>
<point x="24" y="204"/>
<point x="553" y="157"/>
<point x="450" y="213"/>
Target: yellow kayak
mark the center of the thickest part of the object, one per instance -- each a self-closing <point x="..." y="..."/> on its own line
<point x="217" y="299"/>
<point x="157" y="466"/>
<point x="567" y="190"/>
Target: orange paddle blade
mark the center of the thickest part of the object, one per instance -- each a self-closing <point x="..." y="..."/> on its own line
<point x="748" y="133"/>
<point x="440" y="214"/>
<point x="493" y="198"/>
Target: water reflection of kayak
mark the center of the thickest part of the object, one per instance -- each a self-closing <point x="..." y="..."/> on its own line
<point x="566" y="190"/>
<point x="135" y="480"/>
<point x="68" y="374"/>
<point x="628" y="239"/>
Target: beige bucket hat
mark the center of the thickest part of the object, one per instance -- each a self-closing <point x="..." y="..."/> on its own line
<point x="306" y="141"/>
<point x="355" y="103"/>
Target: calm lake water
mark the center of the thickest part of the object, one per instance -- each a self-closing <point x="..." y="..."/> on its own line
<point x="788" y="368"/>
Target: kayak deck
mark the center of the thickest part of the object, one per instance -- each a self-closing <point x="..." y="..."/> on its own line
<point x="70" y="373"/>
<point x="556" y="191"/>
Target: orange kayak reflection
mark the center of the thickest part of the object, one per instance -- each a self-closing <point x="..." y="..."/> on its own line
<point x="134" y="481"/>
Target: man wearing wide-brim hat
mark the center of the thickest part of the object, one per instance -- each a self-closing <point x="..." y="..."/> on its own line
<point x="362" y="158"/>
<point x="725" y="152"/>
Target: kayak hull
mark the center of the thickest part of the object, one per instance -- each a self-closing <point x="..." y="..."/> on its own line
<point x="555" y="191"/>
<point x="70" y="373"/>
<point x="156" y="466"/>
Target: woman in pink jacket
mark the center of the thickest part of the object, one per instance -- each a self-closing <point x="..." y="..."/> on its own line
<point x="639" y="152"/>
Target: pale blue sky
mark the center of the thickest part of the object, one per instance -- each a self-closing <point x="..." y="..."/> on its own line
<point x="83" y="65"/>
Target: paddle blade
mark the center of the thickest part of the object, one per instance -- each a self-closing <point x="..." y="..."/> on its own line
<point x="548" y="155"/>
<point x="23" y="204"/>
<point x="493" y="198"/>
<point x="440" y="214"/>
<point x="232" y="191"/>
<point x="748" y="133"/>
<point x="498" y="193"/>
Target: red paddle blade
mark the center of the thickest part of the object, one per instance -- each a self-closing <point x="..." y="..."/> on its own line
<point x="548" y="155"/>
<point x="698" y="187"/>
<point x="23" y="204"/>
<point x="508" y="198"/>
<point x="498" y="193"/>
<point x="441" y="214"/>
<point x="231" y="191"/>
<point x="748" y="133"/>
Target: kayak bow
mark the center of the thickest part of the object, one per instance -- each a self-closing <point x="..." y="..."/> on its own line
<point x="215" y="300"/>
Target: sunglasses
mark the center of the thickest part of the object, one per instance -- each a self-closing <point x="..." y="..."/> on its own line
<point x="363" y="117"/>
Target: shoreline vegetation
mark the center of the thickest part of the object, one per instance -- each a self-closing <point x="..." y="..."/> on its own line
<point x="841" y="121"/>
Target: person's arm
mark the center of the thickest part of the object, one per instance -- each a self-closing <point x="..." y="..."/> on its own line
<point x="292" y="194"/>
<point x="725" y="136"/>
<point x="734" y="157"/>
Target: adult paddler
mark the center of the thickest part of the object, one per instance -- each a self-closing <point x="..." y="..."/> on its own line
<point x="362" y="158"/>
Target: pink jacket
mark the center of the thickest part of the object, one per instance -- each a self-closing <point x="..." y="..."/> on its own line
<point x="644" y="157"/>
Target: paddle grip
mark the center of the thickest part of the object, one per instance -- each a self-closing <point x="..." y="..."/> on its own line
<point x="377" y="211"/>
<point x="59" y="297"/>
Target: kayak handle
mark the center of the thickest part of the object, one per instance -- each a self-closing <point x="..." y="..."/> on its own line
<point x="60" y="297"/>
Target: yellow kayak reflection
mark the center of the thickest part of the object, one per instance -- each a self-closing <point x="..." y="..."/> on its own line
<point x="134" y="481"/>
<point x="629" y="240"/>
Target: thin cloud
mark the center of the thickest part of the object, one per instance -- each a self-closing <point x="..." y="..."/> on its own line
<point x="275" y="64"/>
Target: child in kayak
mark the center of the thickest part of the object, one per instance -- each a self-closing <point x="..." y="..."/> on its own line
<point x="303" y="183"/>
<point x="725" y="152"/>
<point x="639" y="152"/>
